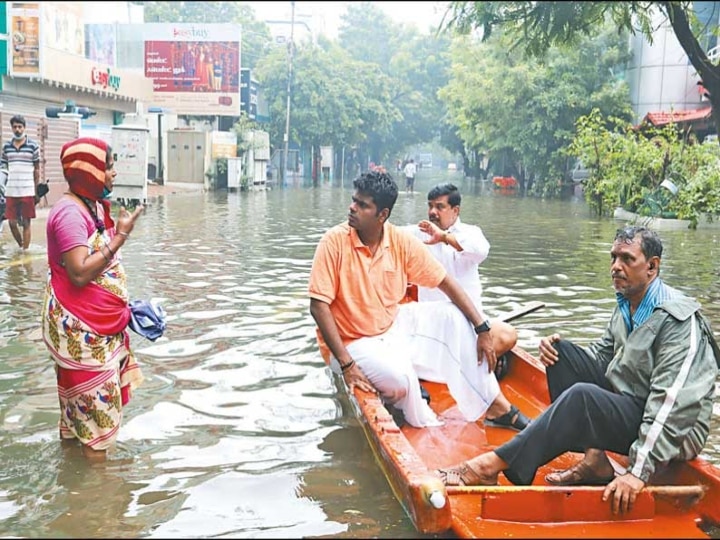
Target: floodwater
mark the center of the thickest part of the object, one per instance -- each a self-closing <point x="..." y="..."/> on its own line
<point x="239" y="430"/>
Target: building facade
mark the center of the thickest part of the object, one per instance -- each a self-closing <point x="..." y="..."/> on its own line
<point x="660" y="75"/>
<point x="47" y="70"/>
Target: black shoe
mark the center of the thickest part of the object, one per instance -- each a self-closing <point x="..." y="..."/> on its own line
<point x="502" y="366"/>
<point x="425" y="394"/>
<point x="396" y="414"/>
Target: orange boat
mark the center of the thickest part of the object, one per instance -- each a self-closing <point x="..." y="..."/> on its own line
<point x="682" y="502"/>
<point x="505" y="182"/>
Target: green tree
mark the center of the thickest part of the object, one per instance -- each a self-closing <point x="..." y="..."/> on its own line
<point x="536" y="26"/>
<point x="334" y="99"/>
<point x="415" y="66"/>
<point x="369" y="35"/>
<point x="255" y="34"/>
<point x="630" y="167"/>
<point x="520" y="113"/>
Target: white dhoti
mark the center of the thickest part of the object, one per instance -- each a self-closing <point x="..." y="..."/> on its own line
<point x="385" y="361"/>
<point x="444" y="350"/>
<point x="431" y="341"/>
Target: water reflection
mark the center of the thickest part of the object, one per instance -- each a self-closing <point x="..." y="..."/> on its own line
<point x="239" y="431"/>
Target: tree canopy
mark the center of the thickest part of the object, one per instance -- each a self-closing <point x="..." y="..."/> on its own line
<point x="536" y="26"/>
<point x="414" y="67"/>
<point x="521" y="113"/>
<point x="335" y="99"/>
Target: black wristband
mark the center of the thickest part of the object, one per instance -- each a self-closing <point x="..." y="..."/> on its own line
<point x="347" y="366"/>
<point x="484" y="327"/>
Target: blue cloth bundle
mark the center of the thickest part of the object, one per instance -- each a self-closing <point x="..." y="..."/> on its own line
<point x="147" y="319"/>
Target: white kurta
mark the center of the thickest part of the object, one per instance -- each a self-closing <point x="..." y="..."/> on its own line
<point x="462" y="265"/>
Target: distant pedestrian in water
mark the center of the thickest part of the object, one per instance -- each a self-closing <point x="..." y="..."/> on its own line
<point x="410" y="172"/>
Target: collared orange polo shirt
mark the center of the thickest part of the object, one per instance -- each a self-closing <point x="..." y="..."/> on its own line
<point x="364" y="291"/>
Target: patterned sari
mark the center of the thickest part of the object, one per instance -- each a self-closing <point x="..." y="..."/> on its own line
<point x="85" y="330"/>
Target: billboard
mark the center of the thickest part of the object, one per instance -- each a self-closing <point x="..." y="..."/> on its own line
<point x="24" y="39"/>
<point x="100" y="43"/>
<point x="195" y="68"/>
<point x="63" y="27"/>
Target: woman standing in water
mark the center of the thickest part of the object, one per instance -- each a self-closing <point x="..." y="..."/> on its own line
<point x="85" y="311"/>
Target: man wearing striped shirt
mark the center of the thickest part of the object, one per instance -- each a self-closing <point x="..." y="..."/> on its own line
<point x="645" y="389"/>
<point x="20" y="161"/>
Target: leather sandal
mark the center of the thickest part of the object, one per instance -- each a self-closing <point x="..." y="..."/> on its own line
<point x="579" y="474"/>
<point x="464" y="475"/>
<point x="506" y="420"/>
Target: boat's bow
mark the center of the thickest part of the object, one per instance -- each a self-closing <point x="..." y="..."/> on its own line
<point x="418" y="488"/>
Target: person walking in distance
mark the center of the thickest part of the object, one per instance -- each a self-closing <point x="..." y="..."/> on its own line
<point x="20" y="160"/>
<point x="410" y="172"/>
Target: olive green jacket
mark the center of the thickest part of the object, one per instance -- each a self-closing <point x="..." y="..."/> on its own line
<point x="670" y="361"/>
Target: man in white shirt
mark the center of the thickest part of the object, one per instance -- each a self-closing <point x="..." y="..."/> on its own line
<point x="460" y="248"/>
<point x="410" y="171"/>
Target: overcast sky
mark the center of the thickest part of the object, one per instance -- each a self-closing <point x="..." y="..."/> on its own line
<point x="421" y="14"/>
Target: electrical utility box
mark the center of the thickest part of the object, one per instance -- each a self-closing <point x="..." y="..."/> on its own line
<point x="130" y="145"/>
<point x="234" y="173"/>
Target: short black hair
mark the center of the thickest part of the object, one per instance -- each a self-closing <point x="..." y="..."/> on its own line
<point x="650" y="242"/>
<point x="448" y="189"/>
<point x="17" y="119"/>
<point x="380" y="186"/>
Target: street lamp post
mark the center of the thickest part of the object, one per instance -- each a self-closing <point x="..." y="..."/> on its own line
<point x="160" y="172"/>
<point x="289" y="86"/>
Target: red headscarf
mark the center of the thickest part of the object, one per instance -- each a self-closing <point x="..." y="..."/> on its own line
<point x="83" y="163"/>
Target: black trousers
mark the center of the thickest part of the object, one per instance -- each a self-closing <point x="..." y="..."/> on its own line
<point x="584" y="413"/>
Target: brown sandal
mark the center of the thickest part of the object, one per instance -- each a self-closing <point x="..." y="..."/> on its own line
<point x="579" y="474"/>
<point x="464" y="475"/>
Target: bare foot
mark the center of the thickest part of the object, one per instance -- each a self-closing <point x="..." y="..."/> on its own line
<point x="95" y="456"/>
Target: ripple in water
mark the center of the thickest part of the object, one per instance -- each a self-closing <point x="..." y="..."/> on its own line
<point x="239" y="429"/>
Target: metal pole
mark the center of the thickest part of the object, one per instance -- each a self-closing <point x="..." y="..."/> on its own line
<point x="342" y="169"/>
<point x="160" y="173"/>
<point x="289" y="82"/>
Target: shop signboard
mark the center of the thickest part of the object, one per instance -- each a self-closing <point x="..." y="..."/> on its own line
<point x="195" y="68"/>
<point x="248" y="94"/>
<point x="24" y="42"/>
<point x="105" y="78"/>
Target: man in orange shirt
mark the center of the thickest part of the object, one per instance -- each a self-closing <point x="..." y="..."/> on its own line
<point x="359" y="276"/>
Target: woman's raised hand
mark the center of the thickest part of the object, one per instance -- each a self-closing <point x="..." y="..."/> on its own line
<point x="126" y="220"/>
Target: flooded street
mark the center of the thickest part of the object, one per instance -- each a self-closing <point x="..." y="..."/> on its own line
<point x="239" y="429"/>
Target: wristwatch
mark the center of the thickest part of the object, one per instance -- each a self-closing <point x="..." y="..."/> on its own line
<point x="484" y="327"/>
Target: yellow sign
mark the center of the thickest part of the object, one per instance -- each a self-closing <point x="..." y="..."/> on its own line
<point x="224" y="144"/>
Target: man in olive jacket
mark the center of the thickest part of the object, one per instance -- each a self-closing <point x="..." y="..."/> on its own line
<point x="645" y="389"/>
